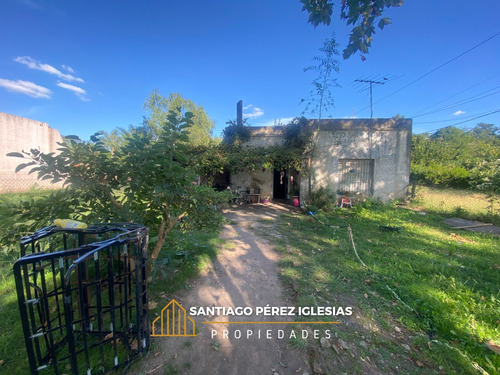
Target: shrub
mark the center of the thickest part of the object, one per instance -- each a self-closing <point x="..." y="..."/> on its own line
<point x="324" y="199"/>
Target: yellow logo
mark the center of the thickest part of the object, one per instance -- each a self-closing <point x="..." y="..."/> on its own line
<point x="173" y="321"/>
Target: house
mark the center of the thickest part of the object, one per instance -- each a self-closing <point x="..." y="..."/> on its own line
<point x="354" y="156"/>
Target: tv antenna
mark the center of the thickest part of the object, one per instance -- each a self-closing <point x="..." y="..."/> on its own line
<point x="372" y="82"/>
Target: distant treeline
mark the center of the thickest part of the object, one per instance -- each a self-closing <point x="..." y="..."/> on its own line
<point x="453" y="157"/>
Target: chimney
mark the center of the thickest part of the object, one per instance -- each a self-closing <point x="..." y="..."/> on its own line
<point x="239" y="112"/>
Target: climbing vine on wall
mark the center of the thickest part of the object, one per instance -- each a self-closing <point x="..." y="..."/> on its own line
<point x="235" y="156"/>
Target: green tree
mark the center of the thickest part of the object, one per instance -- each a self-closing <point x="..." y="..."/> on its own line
<point x="159" y="107"/>
<point x="235" y="134"/>
<point x="361" y="14"/>
<point x="457" y="158"/>
<point x="146" y="180"/>
<point x="485" y="131"/>
<point x="320" y="99"/>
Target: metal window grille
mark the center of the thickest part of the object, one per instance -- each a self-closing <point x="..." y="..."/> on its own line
<point x="356" y="176"/>
<point x="82" y="297"/>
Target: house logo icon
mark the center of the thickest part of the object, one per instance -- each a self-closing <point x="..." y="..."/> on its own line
<point x="173" y="321"/>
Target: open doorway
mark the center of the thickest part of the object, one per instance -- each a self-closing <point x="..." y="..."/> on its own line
<point x="280" y="185"/>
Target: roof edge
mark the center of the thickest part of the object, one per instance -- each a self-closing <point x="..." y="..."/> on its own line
<point x="376" y="124"/>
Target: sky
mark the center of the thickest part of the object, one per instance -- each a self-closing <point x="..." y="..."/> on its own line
<point x="86" y="66"/>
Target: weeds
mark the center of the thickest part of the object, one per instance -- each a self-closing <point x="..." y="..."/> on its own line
<point x="458" y="203"/>
<point x="450" y="282"/>
<point x="183" y="255"/>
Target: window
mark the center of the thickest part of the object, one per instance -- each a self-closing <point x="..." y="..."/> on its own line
<point x="356" y="176"/>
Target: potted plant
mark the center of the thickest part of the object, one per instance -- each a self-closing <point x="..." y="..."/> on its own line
<point x="294" y="196"/>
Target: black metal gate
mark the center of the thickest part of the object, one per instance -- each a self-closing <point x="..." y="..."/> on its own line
<point x="83" y="297"/>
<point x="356" y="176"/>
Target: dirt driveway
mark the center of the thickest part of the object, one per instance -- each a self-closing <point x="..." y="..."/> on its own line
<point x="244" y="274"/>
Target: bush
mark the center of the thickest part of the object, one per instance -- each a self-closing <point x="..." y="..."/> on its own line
<point x="442" y="175"/>
<point x="324" y="199"/>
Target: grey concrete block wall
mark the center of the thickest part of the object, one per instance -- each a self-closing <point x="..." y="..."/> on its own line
<point x="261" y="137"/>
<point x="385" y="141"/>
<point x="17" y="134"/>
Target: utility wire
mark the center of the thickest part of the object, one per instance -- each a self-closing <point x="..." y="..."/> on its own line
<point x="451" y="97"/>
<point x="461" y="122"/>
<point x="470" y="117"/>
<point x="461" y="102"/>
<point x="475" y="118"/>
<point x="433" y="70"/>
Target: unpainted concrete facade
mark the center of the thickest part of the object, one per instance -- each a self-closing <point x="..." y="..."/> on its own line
<point x="17" y="134"/>
<point x="353" y="156"/>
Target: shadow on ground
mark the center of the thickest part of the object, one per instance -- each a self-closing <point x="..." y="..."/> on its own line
<point x="244" y="274"/>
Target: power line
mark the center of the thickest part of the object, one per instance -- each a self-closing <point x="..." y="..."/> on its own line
<point x="470" y="117"/>
<point x="433" y="70"/>
<point x="463" y="122"/>
<point x="454" y="95"/>
<point x="475" y="118"/>
<point x="462" y="102"/>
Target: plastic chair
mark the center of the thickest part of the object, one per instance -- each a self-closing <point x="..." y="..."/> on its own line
<point x="345" y="201"/>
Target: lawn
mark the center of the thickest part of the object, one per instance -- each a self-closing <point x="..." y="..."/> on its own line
<point x="184" y="254"/>
<point x="446" y="301"/>
<point x="458" y="203"/>
<point x="440" y="320"/>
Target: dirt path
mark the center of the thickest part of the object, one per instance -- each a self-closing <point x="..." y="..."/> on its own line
<point x="243" y="275"/>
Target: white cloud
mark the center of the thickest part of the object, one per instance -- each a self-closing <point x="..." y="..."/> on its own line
<point x="458" y="113"/>
<point x="68" y="68"/>
<point x="26" y="88"/>
<point x="78" y="91"/>
<point x="248" y="106"/>
<point x="37" y="65"/>
<point x="255" y="112"/>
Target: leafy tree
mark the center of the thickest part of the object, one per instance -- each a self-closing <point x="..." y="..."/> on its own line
<point x="486" y="178"/>
<point x="146" y="180"/>
<point x="236" y="134"/>
<point x="457" y="158"/>
<point x="361" y="14"/>
<point x="159" y="107"/>
<point x="116" y="138"/>
<point x="485" y="131"/>
<point x="320" y="99"/>
<point x="291" y="154"/>
<point x="298" y="133"/>
<point x="209" y="160"/>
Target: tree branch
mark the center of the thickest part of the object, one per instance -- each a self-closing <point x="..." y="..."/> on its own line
<point x="166" y="226"/>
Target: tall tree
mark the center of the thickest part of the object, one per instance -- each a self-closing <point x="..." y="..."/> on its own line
<point x="361" y="14"/>
<point x="320" y="98"/>
<point x="458" y="158"/>
<point x="159" y="107"/>
<point x="146" y="179"/>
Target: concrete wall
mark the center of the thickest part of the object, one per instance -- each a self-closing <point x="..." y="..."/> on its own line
<point x="385" y="141"/>
<point x="261" y="137"/>
<point x="17" y="134"/>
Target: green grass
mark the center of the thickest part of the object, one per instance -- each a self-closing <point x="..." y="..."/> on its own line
<point x="459" y="203"/>
<point x="183" y="256"/>
<point x="450" y="279"/>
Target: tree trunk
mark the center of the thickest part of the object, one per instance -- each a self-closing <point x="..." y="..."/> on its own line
<point x="165" y="227"/>
<point x="413" y="187"/>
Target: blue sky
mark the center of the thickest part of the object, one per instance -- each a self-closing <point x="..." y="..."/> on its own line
<point x="83" y="66"/>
